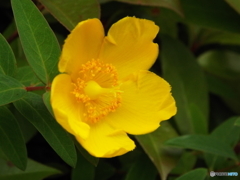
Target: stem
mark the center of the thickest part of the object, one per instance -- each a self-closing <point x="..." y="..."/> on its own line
<point x="13" y="36"/>
<point x="30" y="88"/>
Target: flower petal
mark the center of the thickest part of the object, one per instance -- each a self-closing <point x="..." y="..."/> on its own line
<point x="82" y="44"/>
<point x="65" y="107"/>
<point x="146" y="101"/>
<point x="104" y="141"/>
<point x="129" y="45"/>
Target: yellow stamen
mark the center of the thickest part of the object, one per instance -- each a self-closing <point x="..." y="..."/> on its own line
<point x="98" y="89"/>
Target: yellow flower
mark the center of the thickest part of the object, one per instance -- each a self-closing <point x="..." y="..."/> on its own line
<point x="105" y="90"/>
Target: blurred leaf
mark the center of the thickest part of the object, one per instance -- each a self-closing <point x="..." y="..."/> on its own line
<point x="237" y="122"/>
<point x="84" y="169"/>
<point x="11" y="138"/>
<point x="203" y="143"/>
<point x="210" y="36"/>
<point x="46" y="100"/>
<point x="220" y="88"/>
<point x="222" y="63"/>
<point x="213" y="14"/>
<point x="224" y="75"/>
<point x="229" y="134"/>
<point x="10" y="90"/>
<point x="104" y="170"/>
<point x="34" y="110"/>
<point x="142" y="169"/>
<point x="71" y="12"/>
<point x="185" y="163"/>
<point x="39" y="42"/>
<point x="7" y="59"/>
<point x="164" y="158"/>
<point x="235" y="4"/>
<point x="189" y="88"/>
<point x="85" y="154"/>
<point x="199" y="174"/>
<point x="27" y="77"/>
<point x="34" y="171"/>
<point x="172" y="4"/>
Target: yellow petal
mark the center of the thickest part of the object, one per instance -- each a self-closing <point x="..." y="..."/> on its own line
<point x="65" y="107"/>
<point x="82" y="44"/>
<point x="129" y="45"/>
<point x="104" y="141"/>
<point x="146" y="101"/>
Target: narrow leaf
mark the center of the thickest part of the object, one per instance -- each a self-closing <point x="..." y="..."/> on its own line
<point x="159" y="154"/>
<point x="34" y="171"/>
<point x="181" y="70"/>
<point x="7" y="59"/>
<point x="11" y="139"/>
<point x="203" y="143"/>
<point x="33" y="109"/>
<point x="199" y="174"/>
<point x="38" y="41"/>
<point x="10" y="90"/>
<point x="229" y="134"/>
<point x="71" y="12"/>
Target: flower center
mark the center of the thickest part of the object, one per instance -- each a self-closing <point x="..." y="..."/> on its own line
<point x="98" y="89"/>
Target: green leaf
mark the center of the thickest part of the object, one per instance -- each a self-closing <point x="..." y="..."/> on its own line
<point x="235" y="4"/>
<point x="213" y="14"/>
<point x="10" y="90"/>
<point x="212" y="36"/>
<point x="142" y="169"/>
<point x="164" y="158"/>
<point x="71" y="12"/>
<point x="185" y="163"/>
<point x="46" y="100"/>
<point x="229" y="134"/>
<point x="28" y="130"/>
<point x="83" y="170"/>
<point x="39" y="42"/>
<point x="221" y="63"/>
<point x="203" y="143"/>
<point x="27" y="77"/>
<point x="11" y="138"/>
<point x="85" y="154"/>
<point x="172" y="4"/>
<point x="34" y="110"/>
<point x="104" y="170"/>
<point x="34" y="171"/>
<point x="223" y="75"/>
<point x="7" y="59"/>
<point x="181" y="70"/>
<point x="227" y="131"/>
<point x="199" y="174"/>
<point x="237" y="123"/>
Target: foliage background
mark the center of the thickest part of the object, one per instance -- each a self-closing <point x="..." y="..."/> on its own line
<point x="199" y="56"/>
